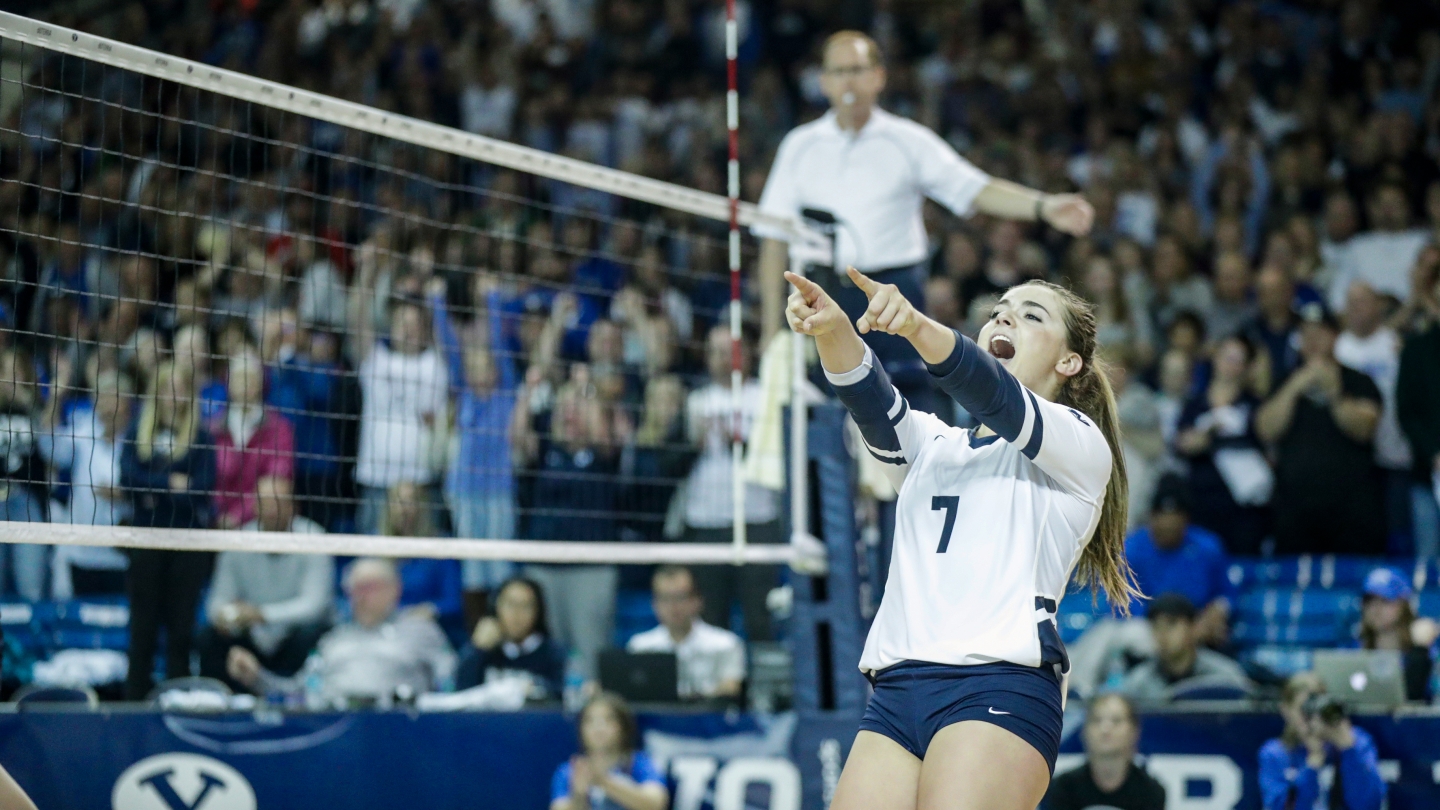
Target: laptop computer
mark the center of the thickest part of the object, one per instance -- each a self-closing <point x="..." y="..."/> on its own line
<point x="640" y="677"/>
<point x="1362" y="677"/>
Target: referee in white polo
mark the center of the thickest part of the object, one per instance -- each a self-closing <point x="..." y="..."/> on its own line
<point x="869" y="171"/>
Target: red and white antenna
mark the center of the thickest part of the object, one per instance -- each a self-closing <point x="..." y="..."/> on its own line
<point x="737" y="376"/>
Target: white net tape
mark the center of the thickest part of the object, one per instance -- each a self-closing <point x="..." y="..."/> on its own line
<point x="364" y="545"/>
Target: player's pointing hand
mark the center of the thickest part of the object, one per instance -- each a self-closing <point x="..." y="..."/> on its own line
<point x="810" y="311"/>
<point x="889" y="311"/>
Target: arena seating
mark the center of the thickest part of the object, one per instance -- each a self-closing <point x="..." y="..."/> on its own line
<point x="1286" y="607"/>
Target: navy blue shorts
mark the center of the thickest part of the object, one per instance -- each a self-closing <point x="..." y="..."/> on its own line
<point x="913" y="700"/>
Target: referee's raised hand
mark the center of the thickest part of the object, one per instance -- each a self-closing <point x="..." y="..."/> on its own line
<point x="889" y="311"/>
<point x="810" y="310"/>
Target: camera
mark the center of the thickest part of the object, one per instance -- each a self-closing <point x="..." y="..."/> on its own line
<point x="1326" y="707"/>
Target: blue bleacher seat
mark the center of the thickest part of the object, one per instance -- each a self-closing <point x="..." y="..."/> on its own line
<point x="1285" y="605"/>
<point x="90" y="623"/>
<point x="1209" y="692"/>
<point x="18" y="619"/>
<point x="633" y="614"/>
<point x="1302" y="633"/>
<point x="1281" y="660"/>
<point x="1430" y="604"/>
<point x="1078" y="612"/>
<point x="1427" y="575"/>
<point x="1306" y="572"/>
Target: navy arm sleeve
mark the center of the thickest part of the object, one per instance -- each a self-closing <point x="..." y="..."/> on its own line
<point x="894" y="434"/>
<point x="1062" y="442"/>
<point x="976" y="380"/>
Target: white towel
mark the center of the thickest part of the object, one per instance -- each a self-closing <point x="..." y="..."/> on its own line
<point x="502" y="694"/>
<point x="765" y="452"/>
<point x="81" y="668"/>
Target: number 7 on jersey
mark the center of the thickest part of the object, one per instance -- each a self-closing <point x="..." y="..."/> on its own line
<point x="951" y="504"/>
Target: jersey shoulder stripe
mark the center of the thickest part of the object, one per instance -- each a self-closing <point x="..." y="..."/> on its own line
<point x="1037" y="429"/>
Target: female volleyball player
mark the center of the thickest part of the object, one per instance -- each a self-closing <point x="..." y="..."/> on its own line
<point x="964" y="653"/>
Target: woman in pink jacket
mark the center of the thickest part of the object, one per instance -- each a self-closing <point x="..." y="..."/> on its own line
<point x="251" y="442"/>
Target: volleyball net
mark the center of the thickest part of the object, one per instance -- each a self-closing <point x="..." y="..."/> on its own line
<point x="235" y="313"/>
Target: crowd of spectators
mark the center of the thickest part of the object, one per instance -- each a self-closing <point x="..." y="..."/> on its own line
<point x="221" y="316"/>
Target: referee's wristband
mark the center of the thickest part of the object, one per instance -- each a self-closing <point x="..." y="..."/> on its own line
<point x="1040" y="209"/>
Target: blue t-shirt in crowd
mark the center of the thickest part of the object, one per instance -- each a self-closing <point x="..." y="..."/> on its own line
<point x="433" y="581"/>
<point x="1198" y="568"/>
<point x="642" y="771"/>
<point x="482" y="467"/>
<point x="1287" y="782"/>
<point x="213" y="398"/>
<point x="306" y="394"/>
<point x="595" y="281"/>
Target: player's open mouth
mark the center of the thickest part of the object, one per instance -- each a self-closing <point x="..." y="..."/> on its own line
<point x="1002" y="347"/>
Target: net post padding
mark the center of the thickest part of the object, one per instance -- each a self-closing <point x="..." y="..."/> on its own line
<point x="399" y="127"/>
<point x="364" y="545"/>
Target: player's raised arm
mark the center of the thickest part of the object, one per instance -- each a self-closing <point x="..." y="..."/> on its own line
<point x="893" y="433"/>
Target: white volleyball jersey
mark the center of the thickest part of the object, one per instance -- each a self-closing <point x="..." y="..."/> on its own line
<point x="988" y="529"/>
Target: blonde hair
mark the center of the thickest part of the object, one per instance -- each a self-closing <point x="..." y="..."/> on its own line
<point x="188" y="420"/>
<point x="654" y="428"/>
<point x="1102" y="565"/>
<point x="414" y="493"/>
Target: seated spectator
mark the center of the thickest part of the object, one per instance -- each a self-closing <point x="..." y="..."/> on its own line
<point x="711" y="660"/>
<point x="430" y="587"/>
<point x="22" y="472"/>
<point x="251" y="442"/>
<point x="1172" y="555"/>
<point x="274" y="605"/>
<point x="1322" y="421"/>
<point x="88" y="448"/>
<point x="610" y="772"/>
<point x="1111" y="777"/>
<point x="515" y="640"/>
<point x="1180" y="663"/>
<point x="168" y="466"/>
<point x="1230" y="479"/>
<point x="1317" y="734"/>
<point x="1387" y="622"/>
<point x="709" y="510"/>
<point x="379" y="652"/>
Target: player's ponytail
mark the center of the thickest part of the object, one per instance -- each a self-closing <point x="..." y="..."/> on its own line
<point x="1102" y="565"/>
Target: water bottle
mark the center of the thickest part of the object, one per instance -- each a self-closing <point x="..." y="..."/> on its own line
<point x="314" y="687"/>
<point x="1115" y="674"/>
<point x="574" y="697"/>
